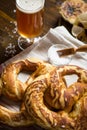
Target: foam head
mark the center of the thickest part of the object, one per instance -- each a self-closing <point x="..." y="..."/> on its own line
<point x="30" y="6"/>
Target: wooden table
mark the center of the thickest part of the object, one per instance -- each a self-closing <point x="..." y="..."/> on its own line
<point x="8" y="30"/>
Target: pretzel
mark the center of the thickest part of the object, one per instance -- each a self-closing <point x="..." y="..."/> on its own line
<point x="14" y="118"/>
<point x="55" y="106"/>
<point x="12" y="86"/>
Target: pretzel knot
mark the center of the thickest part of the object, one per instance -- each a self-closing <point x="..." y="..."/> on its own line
<point x="11" y="87"/>
<point x="15" y="88"/>
<point x="54" y="105"/>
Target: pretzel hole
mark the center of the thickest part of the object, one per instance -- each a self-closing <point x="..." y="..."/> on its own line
<point x="70" y="79"/>
<point x="23" y="76"/>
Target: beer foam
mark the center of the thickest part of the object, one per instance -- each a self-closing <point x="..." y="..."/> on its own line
<point x="30" y="6"/>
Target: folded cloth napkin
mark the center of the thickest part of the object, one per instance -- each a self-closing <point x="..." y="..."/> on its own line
<point x="58" y="35"/>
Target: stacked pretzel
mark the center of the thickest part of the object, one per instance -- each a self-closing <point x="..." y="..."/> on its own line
<point x="45" y="97"/>
<point x="14" y="89"/>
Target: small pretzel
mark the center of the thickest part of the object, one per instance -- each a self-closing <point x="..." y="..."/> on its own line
<point x="55" y="106"/>
<point x="12" y="86"/>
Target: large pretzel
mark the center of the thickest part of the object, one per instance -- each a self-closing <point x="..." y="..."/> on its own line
<point x="12" y="86"/>
<point x="55" y="106"/>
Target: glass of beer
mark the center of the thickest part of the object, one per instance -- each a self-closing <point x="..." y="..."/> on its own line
<point x="30" y="21"/>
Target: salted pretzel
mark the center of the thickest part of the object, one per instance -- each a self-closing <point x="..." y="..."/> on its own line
<point x="12" y="86"/>
<point x="55" y="106"/>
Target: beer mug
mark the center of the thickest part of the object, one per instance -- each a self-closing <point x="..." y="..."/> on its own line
<point x="30" y="20"/>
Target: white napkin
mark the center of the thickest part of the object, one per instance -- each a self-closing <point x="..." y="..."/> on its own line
<point x="58" y="35"/>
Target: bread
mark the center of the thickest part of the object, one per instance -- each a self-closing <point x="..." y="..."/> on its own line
<point x="47" y="100"/>
<point x="12" y="86"/>
<point x="53" y="105"/>
<point x="70" y="9"/>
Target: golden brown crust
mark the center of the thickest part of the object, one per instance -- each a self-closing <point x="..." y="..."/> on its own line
<point x="53" y="105"/>
<point x="80" y="114"/>
<point x="48" y="101"/>
<point x="15" y="119"/>
<point x="12" y="86"/>
<point x="70" y="9"/>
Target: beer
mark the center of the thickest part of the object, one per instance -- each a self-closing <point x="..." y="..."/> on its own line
<point x="30" y="18"/>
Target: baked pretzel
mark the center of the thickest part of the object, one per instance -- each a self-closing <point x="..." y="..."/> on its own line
<point x="12" y="86"/>
<point x="15" y="119"/>
<point x="55" y="106"/>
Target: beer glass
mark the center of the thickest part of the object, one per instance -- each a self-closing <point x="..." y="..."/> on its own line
<point x="30" y="21"/>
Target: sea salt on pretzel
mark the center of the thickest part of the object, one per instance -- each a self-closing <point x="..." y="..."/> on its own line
<point x="55" y="106"/>
<point x="12" y="86"/>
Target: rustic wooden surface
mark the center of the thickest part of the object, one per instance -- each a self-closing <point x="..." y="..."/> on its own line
<point x="9" y="35"/>
<point x="8" y="30"/>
